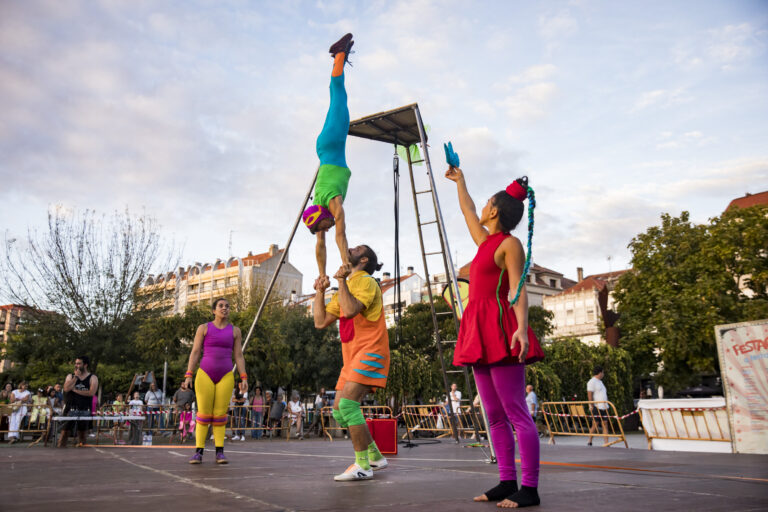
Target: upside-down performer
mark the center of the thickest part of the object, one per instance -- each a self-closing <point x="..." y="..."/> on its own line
<point x="327" y="209"/>
<point x="365" y="351"/>
<point x="217" y="341"/>
<point x="494" y="337"/>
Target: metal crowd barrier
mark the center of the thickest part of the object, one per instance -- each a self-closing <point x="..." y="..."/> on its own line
<point x="576" y="419"/>
<point x="693" y="424"/>
<point x="34" y="420"/>
<point x="431" y="419"/>
<point x="330" y="427"/>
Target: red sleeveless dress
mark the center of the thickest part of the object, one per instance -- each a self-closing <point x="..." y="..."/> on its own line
<point x="489" y="321"/>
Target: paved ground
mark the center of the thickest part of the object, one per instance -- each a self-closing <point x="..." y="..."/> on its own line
<point x="297" y="475"/>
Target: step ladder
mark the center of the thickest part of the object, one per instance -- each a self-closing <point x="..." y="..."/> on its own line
<point x="404" y="127"/>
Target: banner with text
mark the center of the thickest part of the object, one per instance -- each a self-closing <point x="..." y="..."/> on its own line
<point x="743" y="352"/>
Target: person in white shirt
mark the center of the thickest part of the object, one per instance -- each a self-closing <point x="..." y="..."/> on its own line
<point x="296" y="412"/>
<point x="154" y="399"/>
<point x="596" y="392"/>
<point x="532" y="401"/>
<point x="19" y="398"/>
<point x="455" y="398"/>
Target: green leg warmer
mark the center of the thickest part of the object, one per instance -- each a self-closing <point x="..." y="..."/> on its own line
<point x="351" y="411"/>
<point x="339" y="417"/>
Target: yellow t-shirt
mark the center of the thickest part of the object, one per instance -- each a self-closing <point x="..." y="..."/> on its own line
<point x="364" y="288"/>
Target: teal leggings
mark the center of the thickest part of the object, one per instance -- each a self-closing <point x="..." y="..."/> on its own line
<point x="332" y="141"/>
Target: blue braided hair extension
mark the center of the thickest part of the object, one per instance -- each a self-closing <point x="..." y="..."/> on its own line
<point x="531" y="206"/>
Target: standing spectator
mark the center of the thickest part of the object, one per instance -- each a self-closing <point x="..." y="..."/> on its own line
<point x="257" y="407"/>
<point x="184" y="395"/>
<point x="296" y="413"/>
<point x="239" y="411"/>
<point x="596" y="392"/>
<point x="276" y="413"/>
<point x="532" y="401"/>
<point x="136" y="404"/>
<point x="321" y="400"/>
<point x="455" y="398"/>
<point x="79" y="387"/>
<point x="19" y="399"/>
<point x="154" y="399"/>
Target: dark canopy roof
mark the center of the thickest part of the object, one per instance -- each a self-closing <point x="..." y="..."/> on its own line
<point x="398" y="126"/>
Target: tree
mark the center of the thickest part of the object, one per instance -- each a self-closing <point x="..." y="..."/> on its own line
<point x="540" y="320"/>
<point x="685" y="280"/>
<point x="80" y="276"/>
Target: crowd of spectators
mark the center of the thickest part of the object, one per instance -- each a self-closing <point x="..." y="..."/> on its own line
<point x="256" y="413"/>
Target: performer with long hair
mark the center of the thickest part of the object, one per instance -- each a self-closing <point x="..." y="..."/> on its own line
<point x="217" y="342"/>
<point x="494" y="337"/>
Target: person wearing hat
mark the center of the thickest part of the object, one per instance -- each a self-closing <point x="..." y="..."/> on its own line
<point x="333" y="176"/>
<point x="494" y="336"/>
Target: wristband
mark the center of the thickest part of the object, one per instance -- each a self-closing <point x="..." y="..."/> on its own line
<point x="244" y="376"/>
<point x="188" y="374"/>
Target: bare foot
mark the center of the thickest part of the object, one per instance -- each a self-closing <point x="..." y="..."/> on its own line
<point x="482" y="497"/>
<point x="506" y="504"/>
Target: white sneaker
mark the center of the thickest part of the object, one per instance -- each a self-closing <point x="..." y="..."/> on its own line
<point x="354" y="472"/>
<point x="235" y="438"/>
<point x="378" y="464"/>
<point x="242" y="438"/>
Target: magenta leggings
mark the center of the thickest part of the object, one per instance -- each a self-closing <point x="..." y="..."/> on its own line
<point x="502" y="390"/>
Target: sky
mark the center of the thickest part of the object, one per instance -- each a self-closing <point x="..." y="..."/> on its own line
<point x="204" y="114"/>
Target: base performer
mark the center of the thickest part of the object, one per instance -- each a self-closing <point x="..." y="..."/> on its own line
<point x="494" y="337"/>
<point x="365" y="350"/>
<point x="217" y="341"/>
<point x="327" y="209"/>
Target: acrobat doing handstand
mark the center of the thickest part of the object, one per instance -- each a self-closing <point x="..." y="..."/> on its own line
<point x="327" y="209"/>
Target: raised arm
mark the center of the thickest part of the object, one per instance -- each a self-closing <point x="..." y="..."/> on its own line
<point x="322" y="318"/>
<point x="478" y="232"/>
<point x="336" y="207"/>
<point x="349" y="304"/>
<point x="320" y="254"/>
<point x="514" y="258"/>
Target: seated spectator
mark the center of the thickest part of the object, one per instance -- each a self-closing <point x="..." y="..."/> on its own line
<point x="53" y="401"/>
<point x="39" y="413"/>
<point x="5" y="409"/>
<point x="186" y="422"/>
<point x="295" y="412"/>
<point x="19" y="399"/>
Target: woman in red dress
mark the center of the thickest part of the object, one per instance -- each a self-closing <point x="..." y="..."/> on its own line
<point x="494" y="337"/>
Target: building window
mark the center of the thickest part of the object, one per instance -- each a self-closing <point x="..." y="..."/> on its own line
<point x="569" y="319"/>
<point x="232" y="281"/>
<point x="553" y="283"/>
<point x="590" y="315"/>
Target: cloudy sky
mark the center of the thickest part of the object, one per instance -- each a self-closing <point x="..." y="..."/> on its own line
<point x="205" y="114"/>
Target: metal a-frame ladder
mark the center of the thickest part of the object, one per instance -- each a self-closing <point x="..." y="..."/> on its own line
<point x="404" y="127"/>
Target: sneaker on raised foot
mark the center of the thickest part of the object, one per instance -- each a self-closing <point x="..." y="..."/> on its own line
<point x="378" y="464"/>
<point x="341" y="44"/>
<point x="354" y="472"/>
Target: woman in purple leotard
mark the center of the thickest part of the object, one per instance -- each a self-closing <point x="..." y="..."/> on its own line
<point x="217" y="342"/>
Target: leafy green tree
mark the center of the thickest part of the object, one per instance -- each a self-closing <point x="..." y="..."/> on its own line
<point x="540" y="320"/>
<point x="684" y="281"/>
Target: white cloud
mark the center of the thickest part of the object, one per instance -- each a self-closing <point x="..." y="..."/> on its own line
<point x="557" y="25"/>
<point x="531" y="102"/>
<point x="733" y="44"/>
<point x="660" y="98"/>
